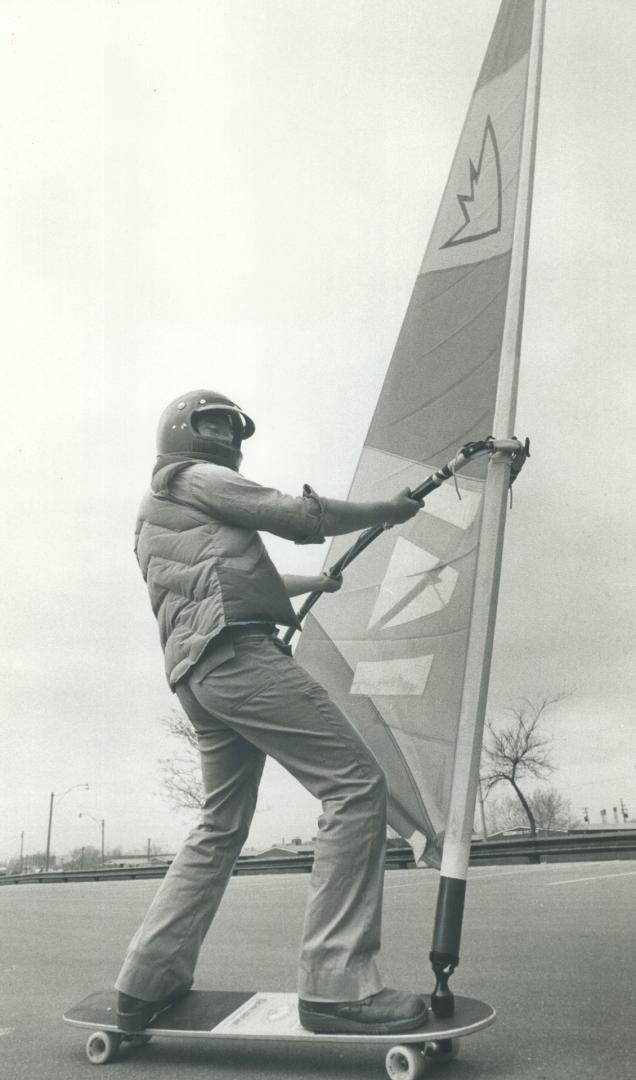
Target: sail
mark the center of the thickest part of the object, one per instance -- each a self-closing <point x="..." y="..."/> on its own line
<point x="391" y="645"/>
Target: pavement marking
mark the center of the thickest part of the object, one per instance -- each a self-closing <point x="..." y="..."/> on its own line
<point x="5" y="1031"/>
<point x="506" y="873"/>
<point x="473" y="877"/>
<point x="405" y="885"/>
<point x="595" y="877"/>
<point x="301" y="881"/>
<point x="413" y="882"/>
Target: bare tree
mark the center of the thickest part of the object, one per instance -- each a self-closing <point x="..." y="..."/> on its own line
<point x="84" y="858"/>
<point x="519" y="750"/>
<point x="549" y="809"/>
<point x="182" y="775"/>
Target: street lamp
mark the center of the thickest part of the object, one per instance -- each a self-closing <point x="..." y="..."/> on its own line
<point x="98" y="821"/>
<point x="57" y="795"/>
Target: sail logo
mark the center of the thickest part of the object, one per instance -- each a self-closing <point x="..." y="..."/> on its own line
<point x="416" y="584"/>
<point x="481" y="207"/>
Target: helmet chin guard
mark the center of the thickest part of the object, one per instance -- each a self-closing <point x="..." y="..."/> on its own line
<point x="177" y="433"/>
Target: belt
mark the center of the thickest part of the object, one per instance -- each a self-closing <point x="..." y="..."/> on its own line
<point x="254" y="629"/>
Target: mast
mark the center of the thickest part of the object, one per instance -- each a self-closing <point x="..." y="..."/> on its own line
<point x="444" y="954"/>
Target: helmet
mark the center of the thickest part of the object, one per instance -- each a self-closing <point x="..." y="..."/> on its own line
<point x="177" y="433"/>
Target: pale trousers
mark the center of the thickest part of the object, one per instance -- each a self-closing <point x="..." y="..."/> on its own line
<point x="244" y="703"/>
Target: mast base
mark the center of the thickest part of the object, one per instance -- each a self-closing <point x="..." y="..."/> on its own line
<point x="442" y="998"/>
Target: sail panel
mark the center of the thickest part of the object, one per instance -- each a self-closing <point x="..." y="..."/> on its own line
<point x="391" y="645"/>
<point x="440" y="387"/>
<point x="510" y="40"/>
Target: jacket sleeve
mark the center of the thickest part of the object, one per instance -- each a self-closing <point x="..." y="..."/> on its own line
<point x="232" y="498"/>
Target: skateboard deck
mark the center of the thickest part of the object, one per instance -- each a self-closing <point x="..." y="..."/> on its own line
<point x="263" y="1016"/>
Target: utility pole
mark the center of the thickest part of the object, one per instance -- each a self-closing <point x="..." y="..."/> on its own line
<point x="102" y="823"/>
<point x="48" y="835"/>
<point x="21" y="851"/>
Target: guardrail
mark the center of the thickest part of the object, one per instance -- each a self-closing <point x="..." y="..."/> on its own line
<point x="568" y="848"/>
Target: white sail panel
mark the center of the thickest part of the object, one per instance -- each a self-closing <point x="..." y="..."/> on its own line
<point x="391" y="645"/>
<point x="458" y="511"/>
<point x="397" y="676"/>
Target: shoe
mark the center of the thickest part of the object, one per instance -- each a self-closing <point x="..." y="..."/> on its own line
<point x="134" y="1014"/>
<point x="386" y="1013"/>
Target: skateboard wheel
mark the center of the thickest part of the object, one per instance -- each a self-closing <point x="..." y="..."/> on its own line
<point x="102" y="1047"/>
<point x="405" y="1063"/>
<point x="442" y="1050"/>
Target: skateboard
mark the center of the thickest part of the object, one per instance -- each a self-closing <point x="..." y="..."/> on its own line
<point x="260" y="1016"/>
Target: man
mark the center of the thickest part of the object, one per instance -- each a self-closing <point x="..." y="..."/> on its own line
<point x="218" y="600"/>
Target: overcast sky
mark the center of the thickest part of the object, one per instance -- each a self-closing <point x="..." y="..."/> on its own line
<point x="238" y="195"/>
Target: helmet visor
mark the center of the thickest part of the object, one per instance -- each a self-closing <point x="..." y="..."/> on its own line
<point x="241" y="424"/>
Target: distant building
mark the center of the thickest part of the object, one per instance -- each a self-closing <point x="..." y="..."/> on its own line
<point x="615" y="826"/>
<point x="280" y="851"/>
<point x="139" y="859"/>
<point x="521" y="831"/>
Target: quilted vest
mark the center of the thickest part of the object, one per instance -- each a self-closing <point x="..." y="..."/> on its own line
<point x="201" y="575"/>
